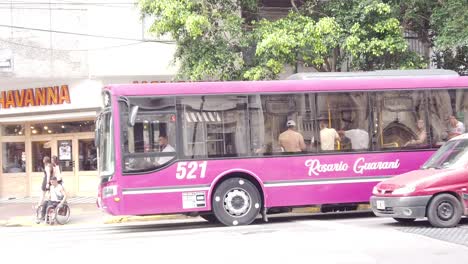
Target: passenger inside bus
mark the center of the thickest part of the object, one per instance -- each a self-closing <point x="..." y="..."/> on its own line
<point x="455" y="127"/>
<point x="421" y="135"/>
<point x="165" y="147"/>
<point x="359" y="138"/>
<point x="291" y="140"/>
<point x="328" y="136"/>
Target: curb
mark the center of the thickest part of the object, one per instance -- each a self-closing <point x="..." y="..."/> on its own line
<point x="146" y="218"/>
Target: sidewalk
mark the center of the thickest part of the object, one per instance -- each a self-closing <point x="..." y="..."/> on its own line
<point x="84" y="211"/>
<point x="33" y="200"/>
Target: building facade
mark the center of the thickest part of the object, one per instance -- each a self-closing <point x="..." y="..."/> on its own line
<point x="54" y="60"/>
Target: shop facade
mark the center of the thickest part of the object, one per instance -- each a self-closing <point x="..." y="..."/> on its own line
<point x="48" y="118"/>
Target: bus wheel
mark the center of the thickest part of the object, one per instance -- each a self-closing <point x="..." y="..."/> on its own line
<point x="236" y="201"/>
<point x="444" y="211"/>
<point x="211" y="218"/>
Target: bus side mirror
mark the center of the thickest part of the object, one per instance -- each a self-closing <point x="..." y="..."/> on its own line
<point x="97" y="131"/>
<point x="132" y="116"/>
<point x="96" y="137"/>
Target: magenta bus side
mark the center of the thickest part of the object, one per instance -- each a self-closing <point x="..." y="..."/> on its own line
<point x="304" y="179"/>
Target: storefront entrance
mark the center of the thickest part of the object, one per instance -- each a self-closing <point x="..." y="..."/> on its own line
<point x="25" y="145"/>
<point x="77" y="159"/>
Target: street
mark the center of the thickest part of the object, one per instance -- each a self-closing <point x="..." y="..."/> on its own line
<point x="327" y="238"/>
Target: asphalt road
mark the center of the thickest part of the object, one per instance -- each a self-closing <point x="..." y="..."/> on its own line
<point x="349" y="238"/>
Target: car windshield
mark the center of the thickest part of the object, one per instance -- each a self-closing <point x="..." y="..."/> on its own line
<point x="448" y="155"/>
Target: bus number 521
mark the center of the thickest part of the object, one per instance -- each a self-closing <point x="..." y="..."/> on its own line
<point x="190" y="170"/>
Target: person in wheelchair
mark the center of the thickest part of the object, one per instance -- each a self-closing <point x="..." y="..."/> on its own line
<point x="57" y="196"/>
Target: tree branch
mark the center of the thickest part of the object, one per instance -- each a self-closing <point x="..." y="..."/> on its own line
<point x="293" y="3"/>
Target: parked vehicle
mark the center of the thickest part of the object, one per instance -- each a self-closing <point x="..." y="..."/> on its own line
<point x="438" y="191"/>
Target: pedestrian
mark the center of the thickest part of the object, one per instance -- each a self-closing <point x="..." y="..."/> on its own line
<point x="56" y="169"/>
<point x="48" y="171"/>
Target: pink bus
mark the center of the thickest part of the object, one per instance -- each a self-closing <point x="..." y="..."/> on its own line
<point x="213" y="148"/>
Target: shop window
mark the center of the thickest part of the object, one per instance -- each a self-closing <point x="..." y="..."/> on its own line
<point x="88" y="157"/>
<point x="40" y="149"/>
<point x="14" y="157"/>
<point x="13" y="130"/>
<point x="61" y="128"/>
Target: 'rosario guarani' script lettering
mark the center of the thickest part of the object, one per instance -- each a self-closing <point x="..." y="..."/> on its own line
<point x="360" y="166"/>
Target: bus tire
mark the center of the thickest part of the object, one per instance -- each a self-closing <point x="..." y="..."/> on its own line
<point x="236" y="201"/>
<point x="211" y="218"/>
<point x="444" y="210"/>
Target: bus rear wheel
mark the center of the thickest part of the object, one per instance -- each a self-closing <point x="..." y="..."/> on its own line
<point x="236" y="201"/>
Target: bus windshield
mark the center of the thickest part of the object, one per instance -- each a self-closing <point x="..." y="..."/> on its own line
<point x="106" y="144"/>
<point x="448" y="155"/>
<point x="150" y="142"/>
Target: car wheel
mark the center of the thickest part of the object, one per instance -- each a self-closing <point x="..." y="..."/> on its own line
<point x="236" y="201"/>
<point x="444" y="211"/>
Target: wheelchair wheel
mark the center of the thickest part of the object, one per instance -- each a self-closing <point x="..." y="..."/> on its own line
<point x="62" y="214"/>
<point x="50" y="215"/>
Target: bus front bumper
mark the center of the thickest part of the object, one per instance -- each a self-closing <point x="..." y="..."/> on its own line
<point x="400" y="207"/>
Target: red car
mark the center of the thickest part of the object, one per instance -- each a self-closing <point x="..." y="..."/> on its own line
<point x="438" y="191"/>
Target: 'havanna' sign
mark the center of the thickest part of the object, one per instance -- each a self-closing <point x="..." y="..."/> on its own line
<point x="35" y="97"/>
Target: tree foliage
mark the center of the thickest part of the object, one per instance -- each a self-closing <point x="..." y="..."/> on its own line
<point x="210" y="35"/>
<point x="441" y="25"/>
<point x="226" y="40"/>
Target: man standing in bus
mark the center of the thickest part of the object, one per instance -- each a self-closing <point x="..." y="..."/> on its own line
<point x="328" y="136"/>
<point x="456" y="127"/>
<point x="290" y="140"/>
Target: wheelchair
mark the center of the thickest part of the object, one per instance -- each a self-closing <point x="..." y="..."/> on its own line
<point x="54" y="214"/>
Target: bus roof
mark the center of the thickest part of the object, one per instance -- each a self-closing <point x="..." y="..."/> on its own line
<point x="359" y="83"/>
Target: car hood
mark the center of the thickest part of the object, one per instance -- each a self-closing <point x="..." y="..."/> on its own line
<point x="423" y="178"/>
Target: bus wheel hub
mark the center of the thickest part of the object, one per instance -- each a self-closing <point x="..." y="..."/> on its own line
<point x="237" y="202"/>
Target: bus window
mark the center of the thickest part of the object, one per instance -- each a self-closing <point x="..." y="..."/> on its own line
<point x="343" y="119"/>
<point x="448" y="114"/>
<point x="400" y="120"/>
<point x="269" y="119"/>
<point x="214" y="126"/>
<point x="150" y="143"/>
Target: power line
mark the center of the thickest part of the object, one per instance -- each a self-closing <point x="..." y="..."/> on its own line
<point x="88" y="35"/>
<point x="43" y="48"/>
<point x="44" y="8"/>
<point x="66" y="3"/>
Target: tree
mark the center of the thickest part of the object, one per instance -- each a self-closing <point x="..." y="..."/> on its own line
<point x="223" y="39"/>
<point x="441" y="25"/>
<point x="210" y="35"/>
<point x="351" y="34"/>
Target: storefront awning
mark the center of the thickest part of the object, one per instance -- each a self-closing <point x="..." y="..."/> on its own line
<point x="49" y="117"/>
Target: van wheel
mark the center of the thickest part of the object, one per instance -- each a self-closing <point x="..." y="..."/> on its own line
<point x="236" y="201"/>
<point x="404" y="220"/>
<point x="444" y="211"/>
